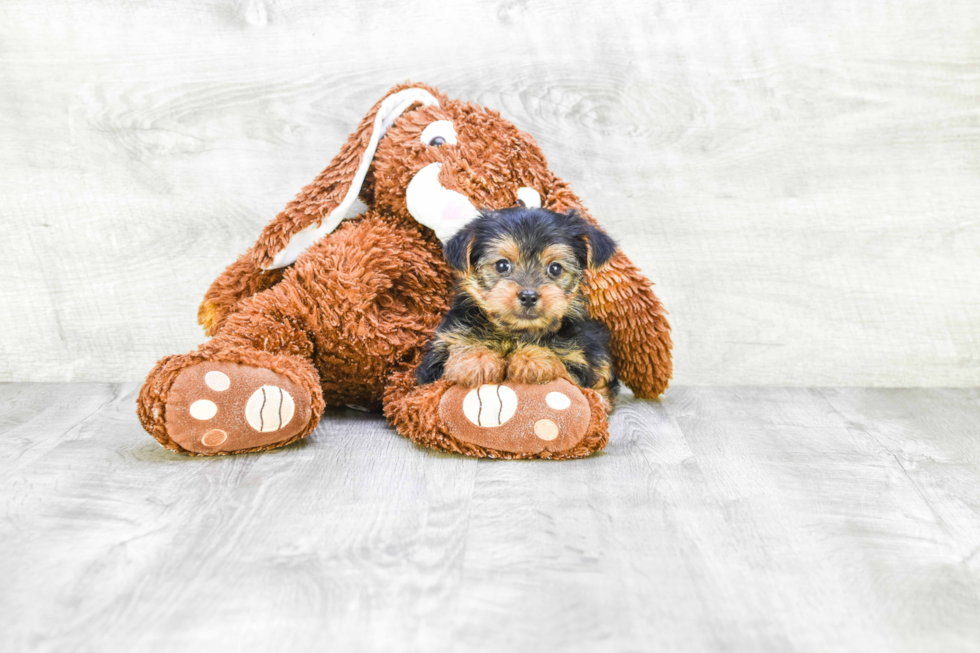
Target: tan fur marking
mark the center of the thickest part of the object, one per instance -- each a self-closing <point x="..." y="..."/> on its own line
<point x="472" y="366"/>
<point x="501" y="300"/>
<point x="532" y="364"/>
<point x="505" y="247"/>
<point x="571" y="356"/>
<point x="553" y="302"/>
<point x="557" y="252"/>
<point x="470" y="286"/>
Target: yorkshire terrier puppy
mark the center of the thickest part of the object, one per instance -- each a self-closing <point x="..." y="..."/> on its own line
<point x="519" y="313"/>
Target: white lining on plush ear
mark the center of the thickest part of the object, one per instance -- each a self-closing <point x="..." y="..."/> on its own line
<point x="393" y="106"/>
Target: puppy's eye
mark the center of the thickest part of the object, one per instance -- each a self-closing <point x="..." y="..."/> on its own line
<point x="555" y="269"/>
<point x="502" y="266"/>
<point x="437" y="141"/>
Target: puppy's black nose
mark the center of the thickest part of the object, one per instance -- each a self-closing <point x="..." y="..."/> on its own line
<point x="528" y="297"/>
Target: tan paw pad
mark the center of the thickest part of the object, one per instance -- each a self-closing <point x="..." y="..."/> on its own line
<point x="214" y="437"/>
<point x="546" y="429"/>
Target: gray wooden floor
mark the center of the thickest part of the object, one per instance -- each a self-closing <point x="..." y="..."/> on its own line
<point x="717" y="519"/>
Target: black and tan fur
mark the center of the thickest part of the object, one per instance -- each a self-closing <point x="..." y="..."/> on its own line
<point x="519" y="312"/>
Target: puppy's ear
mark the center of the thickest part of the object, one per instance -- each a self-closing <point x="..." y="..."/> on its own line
<point x="459" y="249"/>
<point x="600" y="246"/>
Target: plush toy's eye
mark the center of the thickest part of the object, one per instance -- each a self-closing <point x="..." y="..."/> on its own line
<point x="502" y="266"/>
<point x="440" y="132"/>
<point x="555" y="269"/>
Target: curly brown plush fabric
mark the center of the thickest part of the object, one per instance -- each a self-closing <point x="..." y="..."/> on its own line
<point x="346" y="322"/>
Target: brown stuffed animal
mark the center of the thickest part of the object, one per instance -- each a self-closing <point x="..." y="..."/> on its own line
<point x="326" y="309"/>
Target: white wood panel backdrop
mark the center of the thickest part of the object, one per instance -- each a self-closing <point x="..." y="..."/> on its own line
<point x="802" y="179"/>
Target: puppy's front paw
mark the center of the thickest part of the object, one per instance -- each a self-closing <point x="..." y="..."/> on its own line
<point x="472" y="367"/>
<point x="534" y="365"/>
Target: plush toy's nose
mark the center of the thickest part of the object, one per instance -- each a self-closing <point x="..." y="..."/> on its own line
<point x="528" y="297"/>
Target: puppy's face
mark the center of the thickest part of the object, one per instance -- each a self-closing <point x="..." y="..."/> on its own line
<point x="524" y="267"/>
<point x="526" y="284"/>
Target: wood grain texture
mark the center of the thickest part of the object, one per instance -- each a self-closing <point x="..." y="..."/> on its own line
<point x="763" y="519"/>
<point x="801" y="179"/>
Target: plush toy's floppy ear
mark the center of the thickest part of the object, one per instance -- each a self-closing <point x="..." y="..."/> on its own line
<point x="460" y="247"/>
<point x="600" y="246"/>
<point x="315" y="211"/>
<point x="623" y="299"/>
<point x="321" y="206"/>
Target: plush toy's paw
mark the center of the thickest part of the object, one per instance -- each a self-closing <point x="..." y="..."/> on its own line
<point x="216" y="407"/>
<point x="518" y="418"/>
